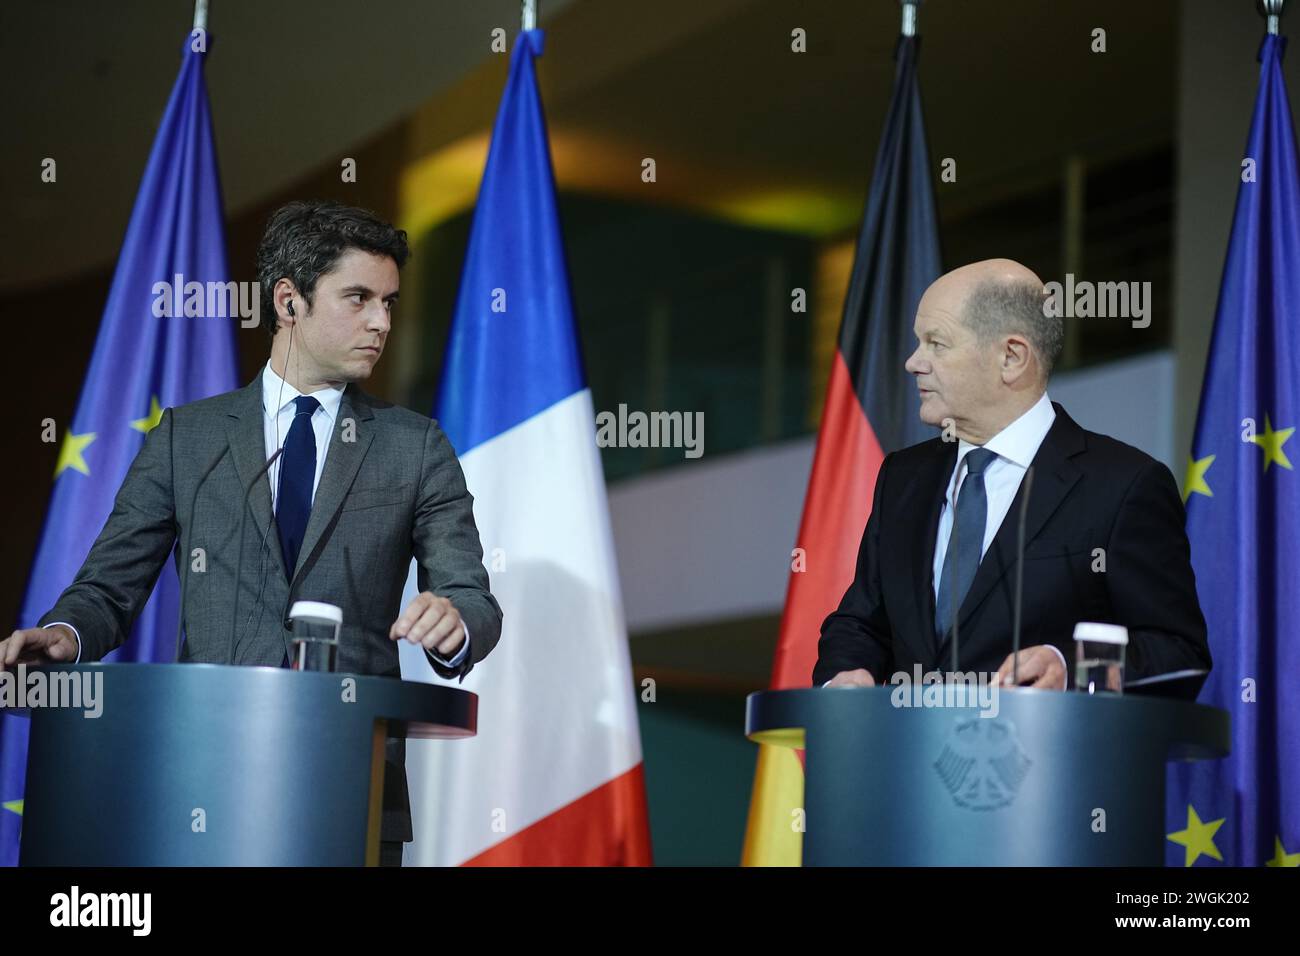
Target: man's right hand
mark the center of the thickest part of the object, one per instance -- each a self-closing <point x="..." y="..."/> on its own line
<point x="856" y="678"/>
<point x="38" y="645"/>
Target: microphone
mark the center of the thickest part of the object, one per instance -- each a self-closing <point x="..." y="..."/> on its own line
<point x="185" y="559"/>
<point x="956" y="611"/>
<point x="239" y="560"/>
<point x="1026" y="485"/>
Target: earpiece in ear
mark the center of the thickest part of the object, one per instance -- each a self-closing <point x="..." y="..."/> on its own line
<point x="289" y="307"/>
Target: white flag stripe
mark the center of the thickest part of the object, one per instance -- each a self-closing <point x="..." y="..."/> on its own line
<point x="557" y="710"/>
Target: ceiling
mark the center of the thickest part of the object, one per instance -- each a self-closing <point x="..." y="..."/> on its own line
<point x="738" y="124"/>
<point x="290" y="82"/>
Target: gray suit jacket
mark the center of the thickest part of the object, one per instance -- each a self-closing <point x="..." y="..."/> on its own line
<point x="391" y="489"/>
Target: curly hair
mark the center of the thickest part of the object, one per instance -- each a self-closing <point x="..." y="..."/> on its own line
<point x="304" y="240"/>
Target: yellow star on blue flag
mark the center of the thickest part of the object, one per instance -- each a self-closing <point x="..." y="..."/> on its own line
<point x="1198" y="837"/>
<point x="1272" y="443"/>
<point x="1281" y="857"/>
<point x="150" y="421"/>
<point x="1195" y="482"/>
<point x="70" y="453"/>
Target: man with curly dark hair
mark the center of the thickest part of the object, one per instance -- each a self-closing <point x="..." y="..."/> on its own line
<point x="361" y="488"/>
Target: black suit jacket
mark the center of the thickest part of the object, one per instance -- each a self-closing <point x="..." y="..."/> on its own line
<point x="1089" y="492"/>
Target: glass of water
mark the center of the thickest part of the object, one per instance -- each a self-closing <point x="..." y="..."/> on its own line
<point x="1099" y="657"/>
<point x="315" y="641"/>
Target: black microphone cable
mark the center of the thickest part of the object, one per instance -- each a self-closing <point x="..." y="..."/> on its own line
<point x="185" y="555"/>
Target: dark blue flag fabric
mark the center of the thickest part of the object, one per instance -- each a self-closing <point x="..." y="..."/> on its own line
<point x="498" y="371"/>
<point x="1243" y="517"/>
<point x="897" y="258"/>
<point x="142" y="363"/>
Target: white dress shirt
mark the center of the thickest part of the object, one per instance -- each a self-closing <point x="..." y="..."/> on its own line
<point x="279" y="412"/>
<point x="1015" y="447"/>
<point x="279" y="394"/>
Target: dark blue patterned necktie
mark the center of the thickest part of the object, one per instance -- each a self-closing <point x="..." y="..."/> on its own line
<point x="966" y="542"/>
<point x="297" y="474"/>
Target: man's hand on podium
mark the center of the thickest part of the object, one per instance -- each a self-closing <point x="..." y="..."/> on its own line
<point x="1041" y="666"/>
<point x="432" y="622"/>
<point x="855" y="678"/>
<point x="38" y="645"/>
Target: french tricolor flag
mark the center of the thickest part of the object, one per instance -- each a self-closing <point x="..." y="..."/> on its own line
<point x="554" y="776"/>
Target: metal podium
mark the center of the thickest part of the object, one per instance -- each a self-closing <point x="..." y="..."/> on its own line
<point x="1054" y="779"/>
<point x="209" y="765"/>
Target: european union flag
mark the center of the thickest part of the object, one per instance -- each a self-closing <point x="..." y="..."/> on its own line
<point x="1243" y="516"/>
<point x="141" y="365"/>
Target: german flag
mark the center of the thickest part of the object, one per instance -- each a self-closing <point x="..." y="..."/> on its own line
<point x="871" y="409"/>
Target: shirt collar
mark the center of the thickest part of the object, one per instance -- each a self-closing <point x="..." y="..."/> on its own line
<point x="329" y="398"/>
<point x="1018" y="443"/>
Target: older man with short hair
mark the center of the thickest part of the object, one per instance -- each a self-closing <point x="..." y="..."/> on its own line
<point x="1104" y="536"/>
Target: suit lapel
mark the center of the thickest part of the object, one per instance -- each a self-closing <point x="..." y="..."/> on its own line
<point x="923" y="495"/>
<point x="246" y="433"/>
<point x="1054" y="475"/>
<point x="348" y="446"/>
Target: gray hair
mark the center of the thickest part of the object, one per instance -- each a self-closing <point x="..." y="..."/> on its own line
<point x="998" y="308"/>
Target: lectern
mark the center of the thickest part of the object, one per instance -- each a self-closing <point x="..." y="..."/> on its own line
<point x="204" y="764"/>
<point x="1052" y="779"/>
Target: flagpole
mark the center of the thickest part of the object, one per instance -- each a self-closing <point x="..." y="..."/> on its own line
<point x="909" y="16"/>
<point x="529" y="14"/>
<point x="200" y="14"/>
<point x="1271" y="11"/>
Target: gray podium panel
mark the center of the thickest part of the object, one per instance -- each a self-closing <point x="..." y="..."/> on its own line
<point x="204" y="764"/>
<point x="887" y="785"/>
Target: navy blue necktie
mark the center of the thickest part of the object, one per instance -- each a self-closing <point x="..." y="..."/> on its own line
<point x="297" y="475"/>
<point x="966" y="542"/>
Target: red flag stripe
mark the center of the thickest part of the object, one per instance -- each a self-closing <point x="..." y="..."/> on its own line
<point x="607" y="826"/>
<point x="836" y="508"/>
